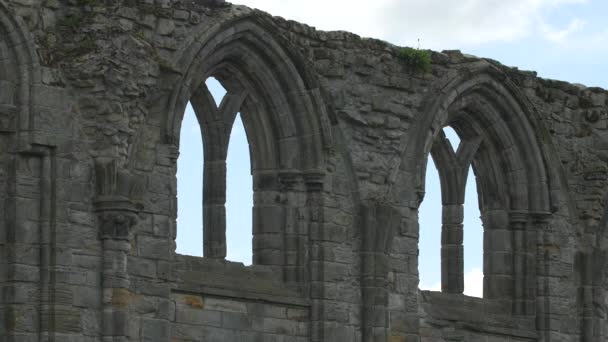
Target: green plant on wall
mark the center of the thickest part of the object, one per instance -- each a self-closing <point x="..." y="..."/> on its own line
<point x="416" y="59"/>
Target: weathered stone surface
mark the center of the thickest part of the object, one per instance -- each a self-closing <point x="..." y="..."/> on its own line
<point x="92" y="95"/>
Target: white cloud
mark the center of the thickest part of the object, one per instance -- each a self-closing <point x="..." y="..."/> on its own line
<point x="473" y="284"/>
<point x="560" y="35"/>
<point x="439" y="24"/>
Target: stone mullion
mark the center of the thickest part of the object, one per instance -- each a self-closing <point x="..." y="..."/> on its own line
<point x="214" y="209"/>
<point x="452" y="250"/>
<point x="217" y="137"/>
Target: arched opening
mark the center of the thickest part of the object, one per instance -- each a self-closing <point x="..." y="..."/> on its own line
<point x="190" y="166"/>
<point x="473" y="228"/>
<point x="239" y="196"/>
<point x="282" y="114"/>
<point x="190" y="187"/>
<point x="435" y="238"/>
<point x="497" y="126"/>
<point x="472" y="240"/>
<point x="429" y="243"/>
<point x="218" y="92"/>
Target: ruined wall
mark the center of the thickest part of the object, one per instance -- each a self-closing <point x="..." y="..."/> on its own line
<point x="340" y="129"/>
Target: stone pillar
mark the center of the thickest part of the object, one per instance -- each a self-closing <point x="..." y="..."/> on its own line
<point x="518" y="231"/>
<point x="452" y="251"/>
<point x="116" y="210"/>
<point x="115" y="234"/>
<point x="591" y="266"/>
<point x="380" y="222"/>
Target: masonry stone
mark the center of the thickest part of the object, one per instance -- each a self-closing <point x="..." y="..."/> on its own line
<point x="340" y="129"/>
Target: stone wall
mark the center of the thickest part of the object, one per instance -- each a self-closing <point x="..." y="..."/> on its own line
<point x="340" y="129"/>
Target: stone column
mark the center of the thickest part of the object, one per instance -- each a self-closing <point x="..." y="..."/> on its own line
<point x="591" y="265"/>
<point x="115" y="234"/>
<point x="116" y="210"/>
<point x="452" y="251"/>
<point x="518" y="231"/>
<point x="380" y="222"/>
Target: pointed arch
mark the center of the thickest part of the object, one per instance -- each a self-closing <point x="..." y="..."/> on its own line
<point x="286" y="124"/>
<point x="482" y="101"/>
<point x="247" y="58"/>
<point x="19" y="70"/>
<point x="515" y="182"/>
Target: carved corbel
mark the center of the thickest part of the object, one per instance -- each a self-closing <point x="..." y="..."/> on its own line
<point x="118" y="199"/>
<point x="116" y="225"/>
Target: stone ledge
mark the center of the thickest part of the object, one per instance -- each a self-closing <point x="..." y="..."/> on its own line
<point x="234" y="280"/>
<point x="476" y="314"/>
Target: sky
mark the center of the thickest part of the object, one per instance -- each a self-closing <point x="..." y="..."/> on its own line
<point x="559" y="39"/>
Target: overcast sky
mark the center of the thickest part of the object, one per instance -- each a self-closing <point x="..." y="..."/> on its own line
<point x="560" y="39"/>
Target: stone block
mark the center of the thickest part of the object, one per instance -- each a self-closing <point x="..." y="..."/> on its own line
<point x="155" y="330"/>
<point x="225" y="305"/>
<point x="141" y="267"/>
<point x="153" y="247"/>
<point x="198" y="317"/>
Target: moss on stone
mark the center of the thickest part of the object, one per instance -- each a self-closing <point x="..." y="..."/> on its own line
<point x="419" y="60"/>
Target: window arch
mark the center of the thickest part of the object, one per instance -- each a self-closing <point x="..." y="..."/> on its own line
<point x="286" y="129"/>
<point x="452" y="158"/>
<point x="225" y="185"/>
<point x="511" y="175"/>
